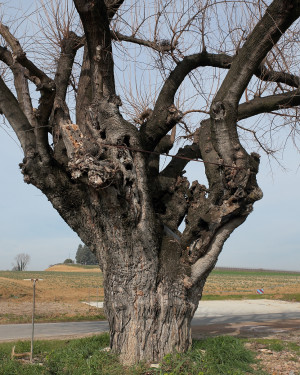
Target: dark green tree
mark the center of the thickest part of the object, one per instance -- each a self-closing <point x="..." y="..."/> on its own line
<point x="68" y="261"/>
<point x="85" y="256"/>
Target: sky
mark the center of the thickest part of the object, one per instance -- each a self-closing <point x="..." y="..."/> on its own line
<point x="268" y="239"/>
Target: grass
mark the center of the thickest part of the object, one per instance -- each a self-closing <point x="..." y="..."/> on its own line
<point x="17" y="319"/>
<point x="242" y="284"/>
<point x="293" y="297"/>
<point x="277" y="345"/>
<point x="242" y="272"/>
<point x="212" y="356"/>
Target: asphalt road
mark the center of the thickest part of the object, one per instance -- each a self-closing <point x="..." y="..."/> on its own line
<point x="47" y="330"/>
<point x="208" y="313"/>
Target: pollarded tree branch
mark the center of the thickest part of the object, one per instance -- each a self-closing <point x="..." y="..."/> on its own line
<point x="84" y="92"/>
<point x="268" y="103"/>
<point x="158" y="126"/>
<point x="36" y="118"/>
<point x="270" y="75"/>
<point x="41" y="80"/>
<point x="20" y="82"/>
<point x="69" y="48"/>
<point x="171" y="189"/>
<point x="24" y="69"/>
<point x="9" y="106"/>
<point x="177" y="165"/>
<point x="278" y="17"/>
<point x="94" y="17"/>
<point x="276" y="20"/>
<point x="206" y="263"/>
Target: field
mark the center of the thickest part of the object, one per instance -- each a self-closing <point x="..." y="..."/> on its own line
<point x="63" y="288"/>
<point x="59" y="295"/>
<point x="224" y="284"/>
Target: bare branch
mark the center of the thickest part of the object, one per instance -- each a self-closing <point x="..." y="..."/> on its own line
<point x="84" y="93"/>
<point x="96" y="27"/>
<point x="254" y="133"/>
<point x="268" y="103"/>
<point x="156" y="46"/>
<point x="12" y="111"/>
<point x="112" y="7"/>
<point x="270" y="75"/>
<point x="69" y="47"/>
<point x="176" y="165"/>
<point x="41" y="80"/>
<point x="21" y="84"/>
<point x="206" y="263"/>
<point x="277" y="19"/>
<point x="157" y="126"/>
<point x="37" y="118"/>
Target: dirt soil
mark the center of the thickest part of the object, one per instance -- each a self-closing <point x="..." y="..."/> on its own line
<point x="283" y="362"/>
<point x="66" y="268"/>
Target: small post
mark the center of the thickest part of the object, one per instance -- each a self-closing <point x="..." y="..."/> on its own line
<point x="33" y="313"/>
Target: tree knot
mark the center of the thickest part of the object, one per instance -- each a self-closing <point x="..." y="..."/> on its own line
<point x="218" y="111"/>
<point x="174" y="115"/>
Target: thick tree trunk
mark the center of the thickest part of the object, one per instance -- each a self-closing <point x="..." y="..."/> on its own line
<point x="148" y="308"/>
<point x="150" y="325"/>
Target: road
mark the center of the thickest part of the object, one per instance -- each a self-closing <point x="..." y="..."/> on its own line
<point x="210" y="314"/>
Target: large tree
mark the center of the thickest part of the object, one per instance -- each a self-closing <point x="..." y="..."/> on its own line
<point x="99" y="163"/>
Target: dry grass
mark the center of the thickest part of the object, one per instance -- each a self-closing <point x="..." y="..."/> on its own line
<point x="71" y="268"/>
<point x="59" y="294"/>
<point x="245" y="283"/>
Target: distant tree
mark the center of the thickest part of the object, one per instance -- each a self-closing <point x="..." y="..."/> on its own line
<point x="68" y="261"/>
<point x="85" y="256"/>
<point x="21" y="261"/>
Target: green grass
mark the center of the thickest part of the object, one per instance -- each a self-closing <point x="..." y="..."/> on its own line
<point x="278" y="345"/>
<point x="294" y="297"/>
<point x="213" y="356"/>
<point x="17" y="319"/>
<point x="215" y="297"/>
<point x="254" y="273"/>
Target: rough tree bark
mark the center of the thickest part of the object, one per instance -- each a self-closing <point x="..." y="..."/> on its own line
<point x="102" y="173"/>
